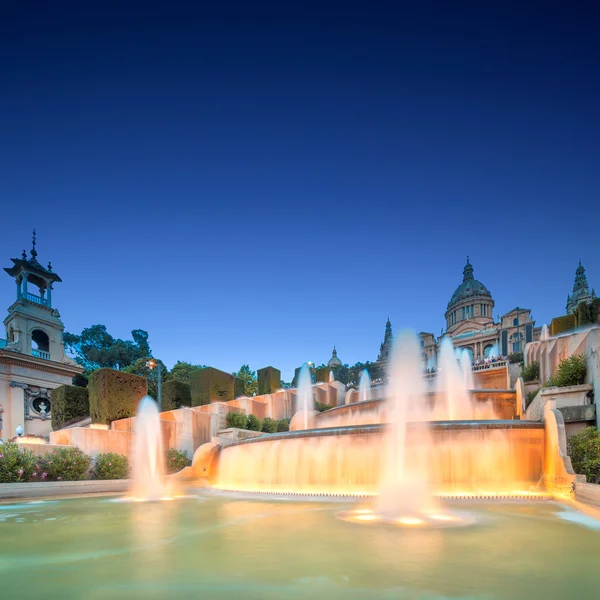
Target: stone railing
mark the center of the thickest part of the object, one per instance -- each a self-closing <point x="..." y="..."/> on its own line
<point x="499" y="364"/>
<point x="40" y="354"/>
<point x="35" y="299"/>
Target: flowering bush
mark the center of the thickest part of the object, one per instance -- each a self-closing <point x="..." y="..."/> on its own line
<point x="176" y="460"/>
<point x="66" y="464"/>
<point x="111" y="466"/>
<point x="16" y="463"/>
<point x="27" y="436"/>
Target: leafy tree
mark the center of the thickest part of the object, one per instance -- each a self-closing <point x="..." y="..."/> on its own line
<point x="249" y="379"/>
<point x="285" y="385"/>
<point x="94" y="348"/>
<point x="141" y="367"/>
<point x="182" y="371"/>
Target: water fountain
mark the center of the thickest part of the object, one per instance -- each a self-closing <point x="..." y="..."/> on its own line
<point x="466" y="368"/>
<point x="364" y="386"/>
<point x="451" y="385"/>
<point x="304" y="394"/>
<point x="147" y="468"/>
<point x="545" y="334"/>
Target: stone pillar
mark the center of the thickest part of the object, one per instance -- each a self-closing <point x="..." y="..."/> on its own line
<point x="25" y="285"/>
<point x="18" y="281"/>
<point x="49" y="297"/>
<point x="16" y="410"/>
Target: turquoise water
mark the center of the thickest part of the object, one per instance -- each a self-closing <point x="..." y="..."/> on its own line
<point x="212" y="547"/>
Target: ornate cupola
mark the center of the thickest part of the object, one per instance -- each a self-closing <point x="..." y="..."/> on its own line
<point x="334" y="361"/>
<point x="471" y="305"/>
<point x="33" y="326"/>
<point x="386" y="345"/>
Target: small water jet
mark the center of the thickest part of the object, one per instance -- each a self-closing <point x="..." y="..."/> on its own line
<point x="451" y="385"/>
<point x="147" y="468"/>
<point x="545" y="335"/>
<point x="304" y="394"/>
<point x="364" y="387"/>
<point x="466" y="368"/>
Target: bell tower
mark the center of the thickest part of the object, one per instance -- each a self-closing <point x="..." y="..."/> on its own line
<point x="33" y="326"/>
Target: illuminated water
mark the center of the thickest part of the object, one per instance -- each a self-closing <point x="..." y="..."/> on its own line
<point x="147" y="463"/>
<point x="364" y="387"/>
<point x="230" y="549"/>
<point x="304" y="395"/>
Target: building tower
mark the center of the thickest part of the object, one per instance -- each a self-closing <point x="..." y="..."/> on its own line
<point x="581" y="291"/>
<point x="32" y="356"/>
<point x="386" y="346"/>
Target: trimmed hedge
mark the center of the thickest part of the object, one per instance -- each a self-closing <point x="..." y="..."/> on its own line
<point x="269" y="380"/>
<point x="269" y="425"/>
<point x="211" y="385"/>
<point x="114" y="395"/>
<point x="70" y="404"/>
<point x="175" y="394"/>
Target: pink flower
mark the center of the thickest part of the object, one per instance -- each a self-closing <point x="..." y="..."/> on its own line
<point x="20" y="472"/>
<point x="1" y="455"/>
<point x="59" y="478"/>
<point x="44" y="475"/>
<point x="33" y="474"/>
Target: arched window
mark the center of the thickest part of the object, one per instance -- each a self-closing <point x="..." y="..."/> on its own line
<point x="517" y="342"/>
<point x="40" y="344"/>
<point x="516" y="322"/>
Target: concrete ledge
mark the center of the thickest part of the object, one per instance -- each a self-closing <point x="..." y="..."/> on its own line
<point x="62" y="488"/>
<point x="589" y="493"/>
<point x="576" y="414"/>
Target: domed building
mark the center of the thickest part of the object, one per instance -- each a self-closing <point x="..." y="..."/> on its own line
<point x="581" y="291"/>
<point x="470" y="321"/>
<point x="471" y="306"/>
<point x="334" y="361"/>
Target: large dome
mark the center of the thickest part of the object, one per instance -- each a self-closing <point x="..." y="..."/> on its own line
<point x="469" y="288"/>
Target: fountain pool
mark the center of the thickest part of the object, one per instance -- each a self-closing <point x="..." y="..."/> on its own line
<point x="215" y="546"/>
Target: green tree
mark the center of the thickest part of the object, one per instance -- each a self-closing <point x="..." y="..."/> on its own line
<point x="94" y="348"/>
<point x="142" y="368"/>
<point x="182" y="371"/>
<point x="249" y="379"/>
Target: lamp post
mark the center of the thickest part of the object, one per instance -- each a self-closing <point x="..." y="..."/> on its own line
<point x="152" y="363"/>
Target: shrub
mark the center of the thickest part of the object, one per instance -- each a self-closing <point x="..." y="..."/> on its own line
<point x="531" y="372"/>
<point x="236" y="420"/>
<point x="69" y="405"/>
<point x="530" y="396"/>
<point x="269" y="425"/>
<point x="515" y="358"/>
<point x="584" y="450"/>
<point x="175" y="394"/>
<point x="66" y="464"/>
<point x="253" y="423"/>
<point x="111" y="466"/>
<point x="176" y="460"/>
<point x="283" y="425"/>
<point x="319" y="407"/>
<point x="114" y="394"/>
<point x="16" y="463"/>
<point x="570" y="371"/>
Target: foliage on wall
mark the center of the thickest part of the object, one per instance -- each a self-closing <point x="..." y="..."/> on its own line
<point x="114" y="395"/>
<point x="70" y="404"/>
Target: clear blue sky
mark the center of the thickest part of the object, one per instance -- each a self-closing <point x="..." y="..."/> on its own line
<point x="253" y="185"/>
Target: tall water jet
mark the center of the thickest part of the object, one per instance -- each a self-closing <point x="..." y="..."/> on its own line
<point x="304" y="394"/>
<point x="404" y="487"/>
<point x="364" y="387"/>
<point x="331" y="377"/>
<point x="451" y="386"/>
<point x="545" y="335"/>
<point x="467" y="370"/>
<point x="147" y="468"/>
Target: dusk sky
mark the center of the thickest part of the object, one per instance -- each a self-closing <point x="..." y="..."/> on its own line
<point x="255" y="183"/>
